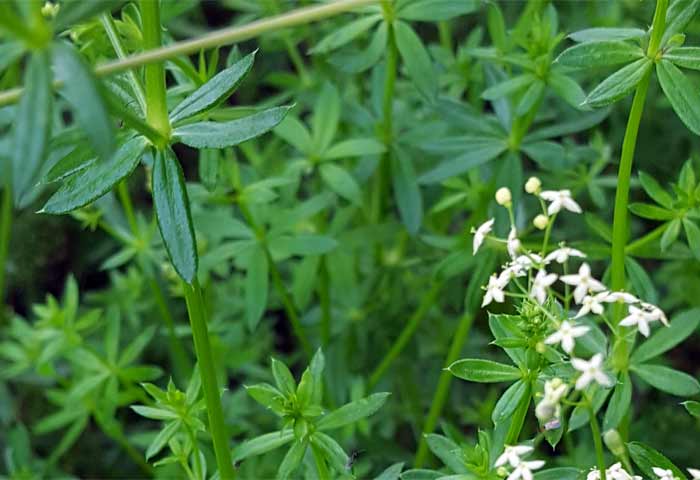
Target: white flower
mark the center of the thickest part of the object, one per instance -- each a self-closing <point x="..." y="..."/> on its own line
<point x="503" y="196"/>
<point x="480" y="234"/>
<point x="533" y="185"/>
<point x="583" y="281"/>
<point x="655" y="313"/>
<point x="494" y="291"/>
<point x="524" y="470"/>
<point x="592" y="303"/>
<point x="695" y="473"/>
<point x="562" y="254"/>
<point x="549" y="408"/>
<point x="559" y="199"/>
<point x="539" y="285"/>
<point x="615" y="472"/>
<point x="590" y="370"/>
<point x="520" y="265"/>
<point x="639" y="317"/>
<point x="566" y="335"/>
<point x="512" y="454"/>
<point x="663" y="474"/>
<point x="513" y="244"/>
<point x="594" y="474"/>
<point x="624" y="297"/>
<point x="541" y="221"/>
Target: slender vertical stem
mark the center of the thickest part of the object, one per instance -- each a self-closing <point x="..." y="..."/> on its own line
<point x="125" y="200"/>
<point x="408" y="330"/>
<point x="597" y="438"/>
<point x="200" y="334"/>
<point x="156" y="107"/>
<point x="443" y="387"/>
<point x="620" y="214"/>
<point x="5" y="229"/>
<point x="382" y="176"/>
<point x="324" y="298"/>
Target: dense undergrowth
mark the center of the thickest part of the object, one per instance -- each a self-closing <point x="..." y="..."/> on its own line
<point x="408" y="239"/>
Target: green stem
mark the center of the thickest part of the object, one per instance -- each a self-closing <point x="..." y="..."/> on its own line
<point x="383" y="174"/>
<point x="113" y="35"/>
<point x="217" y="424"/>
<point x="597" y="438"/>
<point x="443" y="388"/>
<point x="408" y="330"/>
<point x="289" y="307"/>
<point x="324" y="299"/>
<point x="5" y="230"/>
<point x="217" y="38"/>
<point x="156" y="106"/>
<point x="646" y="239"/>
<point x="620" y="214"/>
<point x="125" y="199"/>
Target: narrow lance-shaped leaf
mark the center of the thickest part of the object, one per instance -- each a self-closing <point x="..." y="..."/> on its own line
<point x="484" y="371"/>
<point x="292" y="459"/>
<point x="263" y="443"/>
<point x="325" y="118"/>
<point x="598" y="54"/>
<point x="173" y="212"/>
<point x="100" y="177"/>
<point x="81" y="90"/>
<point x="619" y="84"/>
<point x="478" y="154"/>
<point x="667" y="379"/>
<point x="416" y="58"/>
<point x="408" y="195"/>
<point x="353" y="411"/>
<point x="215" y="91"/>
<point x="435" y="10"/>
<point x="619" y="403"/>
<point x="345" y="34"/>
<point x="32" y="125"/>
<point x="679" y="14"/>
<point x="601" y="33"/>
<point x="686" y="57"/>
<point x="646" y="458"/>
<point x="681" y="327"/>
<point x="228" y="134"/>
<point x="682" y="94"/>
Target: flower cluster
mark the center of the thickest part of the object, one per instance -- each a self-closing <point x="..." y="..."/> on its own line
<point x="615" y="472"/>
<point x="528" y="274"/>
<point x="519" y="468"/>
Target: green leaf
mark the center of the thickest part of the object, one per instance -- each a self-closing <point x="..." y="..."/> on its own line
<point x="646" y="458"/>
<point x="325" y="118"/>
<point x="295" y="133"/>
<point x="619" y="84"/>
<point x="283" y="378"/>
<point x="173" y="213"/>
<point x="508" y="87"/>
<point x="619" y="403"/>
<point x="678" y="16"/>
<point x="162" y="438"/>
<point x="583" y="121"/>
<point x="484" y="371"/>
<point x="406" y="191"/>
<point x="692" y="407"/>
<point x="532" y="96"/>
<point x="599" y="54"/>
<point x="267" y="396"/>
<point x="686" y="57"/>
<point x="32" y="126"/>
<point x="210" y="168"/>
<point x="359" y="61"/>
<point x="155" y="413"/>
<point x="692" y="232"/>
<point x="81" y="90"/>
<point x="655" y="191"/>
<point x="352" y="412"/>
<point x="682" y="94"/>
<point x="228" y="134"/>
<point x="333" y="452"/>
<point x="392" y="472"/>
<point x="567" y="88"/>
<point x="341" y="182"/>
<point x="667" y="379"/>
<point x="292" y="459"/>
<point x="671" y="233"/>
<point x="477" y="153"/>
<point x="509" y="401"/>
<point x="416" y="59"/>
<point x="345" y="34"/>
<point x="303" y="244"/>
<point x="435" y="10"/>
<point x="651" y="212"/>
<point x="447" y="451"/>
<point x="98" y="178"/>
<point x="664" y="339"/>
<point x="256" y="287"/>
<point x="262" y="444"/>
<point x="215" y="91"/>
<point x="548" y="155"/>
<point x="606" y="34"/>
<point x="640" y="280"/>
<point x="137" y="346"/>
<point x="354" y="147"/>
<point x="561" y="473"/>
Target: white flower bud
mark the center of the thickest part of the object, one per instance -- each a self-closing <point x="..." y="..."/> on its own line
<point x="533" y="185"/>
<point x="503" y="196"/>
<point x="50" y="10"/>
<point x="541" y="221"/>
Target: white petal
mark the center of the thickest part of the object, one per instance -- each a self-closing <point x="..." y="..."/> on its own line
<point x="583" y="381"/>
